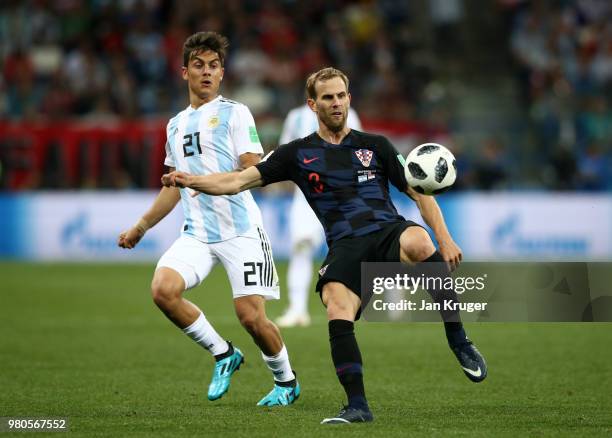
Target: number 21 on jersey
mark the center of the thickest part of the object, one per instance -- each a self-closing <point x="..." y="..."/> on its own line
<point x="188" y="144"/>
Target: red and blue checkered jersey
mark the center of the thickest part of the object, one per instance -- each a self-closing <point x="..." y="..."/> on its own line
<point x="347" y="185"/>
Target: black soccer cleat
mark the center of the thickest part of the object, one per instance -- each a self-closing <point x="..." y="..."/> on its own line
<point x="470" y="359"/>
<point x="349" y="415"/>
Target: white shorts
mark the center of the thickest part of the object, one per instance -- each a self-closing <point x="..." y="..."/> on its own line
<point x="247" y="260"/>
<point x="303" y="222"/>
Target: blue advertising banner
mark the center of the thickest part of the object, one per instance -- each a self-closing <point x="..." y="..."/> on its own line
<point x="497" y="226"/>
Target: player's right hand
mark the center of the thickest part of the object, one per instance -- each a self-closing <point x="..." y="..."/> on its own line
<point x="175" y="179"/>
<point x="168" y="179"/>
<point x="451" y="252"/>
<point x="130" y="238"/>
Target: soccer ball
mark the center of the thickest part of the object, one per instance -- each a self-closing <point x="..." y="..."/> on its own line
<point x="430" y="169"/>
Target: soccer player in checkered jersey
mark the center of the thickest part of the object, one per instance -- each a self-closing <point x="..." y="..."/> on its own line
<point x="214" y="134"/>
<point x="345" y="177"/>
<point x="305" y="231"/>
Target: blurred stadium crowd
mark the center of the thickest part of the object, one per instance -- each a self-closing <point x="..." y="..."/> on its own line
<point x="521" y="90"/>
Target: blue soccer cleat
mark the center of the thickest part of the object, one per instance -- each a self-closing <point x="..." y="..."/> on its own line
<point x="281" y="395"/>
<point x="222" y="374"/>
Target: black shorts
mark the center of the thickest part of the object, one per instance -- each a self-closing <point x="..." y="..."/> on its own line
<point x="343" y="261"/>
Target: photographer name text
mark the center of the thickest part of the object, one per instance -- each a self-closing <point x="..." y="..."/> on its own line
<point x="424" y="305"/>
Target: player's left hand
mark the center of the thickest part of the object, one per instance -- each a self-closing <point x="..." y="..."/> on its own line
<point x="129" y="239"/>
<point x="451" y="252"/>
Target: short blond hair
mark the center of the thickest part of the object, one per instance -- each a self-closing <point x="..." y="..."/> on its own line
<point x="323" y="75"/>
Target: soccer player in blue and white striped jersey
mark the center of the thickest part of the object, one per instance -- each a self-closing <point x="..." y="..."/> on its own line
<point x="212" y="135"/>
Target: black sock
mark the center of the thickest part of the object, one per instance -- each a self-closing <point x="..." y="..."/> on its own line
<point x="455" y="334"/>
<point x="347" y="360"/>
<point x="228" y="353"/>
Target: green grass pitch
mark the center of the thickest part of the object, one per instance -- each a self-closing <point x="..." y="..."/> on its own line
<point x="86" y="342"/>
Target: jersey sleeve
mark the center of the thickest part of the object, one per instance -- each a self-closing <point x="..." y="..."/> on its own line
<point x="244" y="132"/>
<point x="169" y="160"/>
<point x="288" y="132"/>
<point x="353" y="121"/>
<point x="277" y="165"/>
<point x="393" y="164"/>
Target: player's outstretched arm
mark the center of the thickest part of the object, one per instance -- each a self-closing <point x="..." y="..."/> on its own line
<point x="227" y="183"/>
<point x="166" y="200"/>
<point x="432" y="215"/>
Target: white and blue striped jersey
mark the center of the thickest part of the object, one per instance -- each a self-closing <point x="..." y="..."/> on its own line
<point x="207" y="140"/>
<point x="302" y="121"/>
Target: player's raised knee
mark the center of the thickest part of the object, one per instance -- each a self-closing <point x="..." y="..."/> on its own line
<point x="415" y="245"/>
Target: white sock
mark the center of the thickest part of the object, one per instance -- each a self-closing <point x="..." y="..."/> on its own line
<point x="204" y="334"/>
<point x="280" y="366"/>
<point x="299" y="277"/>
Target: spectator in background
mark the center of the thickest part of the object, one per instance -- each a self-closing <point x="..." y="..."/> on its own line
<point x="490" y="171"/>
<point x="595" y="124"/>
<point x="564" y="53"/>
<point x="563" y="171"/>
<point x="23" y="95"/>
<point x="86" y="76"/>
<point x="118" y="44"/>
<point x="592" y="169"/>
<point x="446" y="16"/>
<point x="602" y="62"/>
<point x="395" y="51"/>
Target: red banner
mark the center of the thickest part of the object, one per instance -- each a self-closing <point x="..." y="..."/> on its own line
<point x="116" y="155"/>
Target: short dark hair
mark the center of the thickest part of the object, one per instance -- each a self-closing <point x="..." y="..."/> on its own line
<point x="323" y="75"/>
<point x="201" y="42"/>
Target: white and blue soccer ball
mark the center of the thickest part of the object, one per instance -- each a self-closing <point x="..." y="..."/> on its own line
<point x="430" y="169"/>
